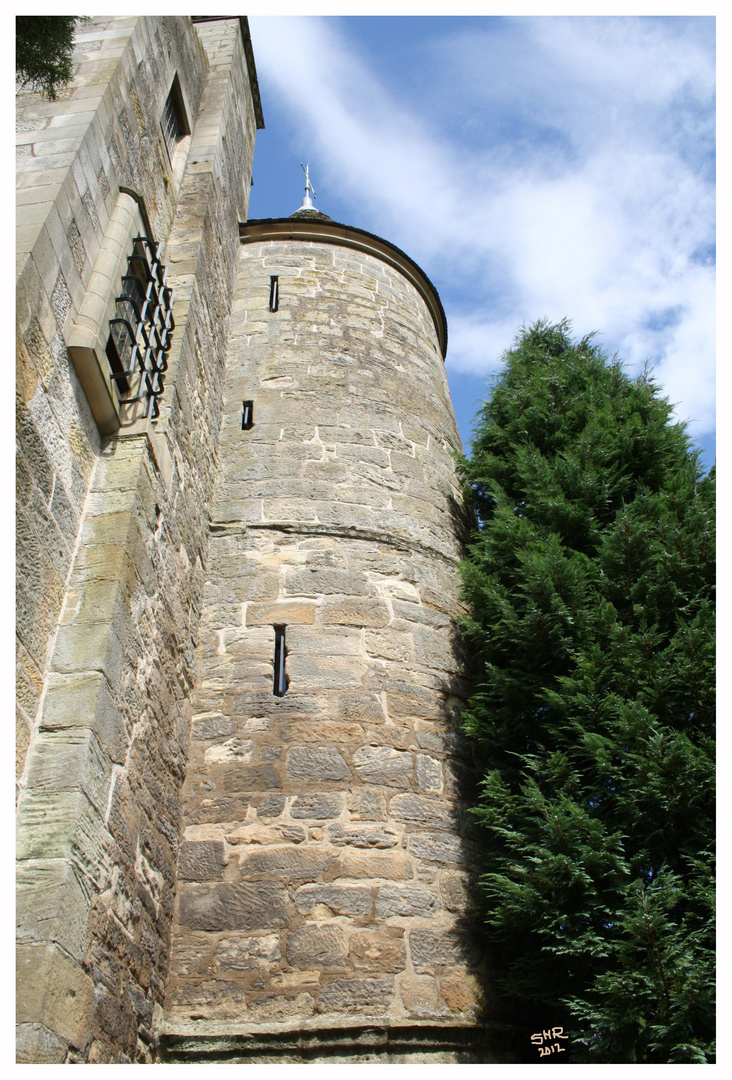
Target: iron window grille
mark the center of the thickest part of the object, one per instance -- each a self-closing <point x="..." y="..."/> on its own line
<point x="141" y="330"/>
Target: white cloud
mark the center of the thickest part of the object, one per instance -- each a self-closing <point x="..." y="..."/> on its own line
<point x="551" y="167"/>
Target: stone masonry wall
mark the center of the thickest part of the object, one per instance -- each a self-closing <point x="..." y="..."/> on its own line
<point x="99" y="813"/>
<point x="323" y="873"/>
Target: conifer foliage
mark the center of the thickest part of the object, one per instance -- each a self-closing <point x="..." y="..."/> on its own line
<point x="590" y="581"/>
<point x="43" y="47"/>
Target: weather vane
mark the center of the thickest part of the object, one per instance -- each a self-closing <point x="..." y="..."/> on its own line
<point x="307" y="202"/>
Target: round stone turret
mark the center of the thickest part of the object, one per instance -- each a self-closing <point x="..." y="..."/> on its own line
<point x="323" y="873"/>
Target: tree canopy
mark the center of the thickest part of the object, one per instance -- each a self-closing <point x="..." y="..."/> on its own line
<point x="590" y="583"/>
<point x="43" y="47"/>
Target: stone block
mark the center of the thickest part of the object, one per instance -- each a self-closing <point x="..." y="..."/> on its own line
<point x="351" y="900"/>
<point x="352" y="611"/>
<point x="360" y="707"/>
<point x="316" y="763"/>
<point x="461" y="990"/>
<point x="317" y="807"/>
<point x="317" y="946"/>
<point x="287" y="863"/>
<point x="392" y="865"/>
<point x="307" y="640"/>
<point x="244" y="953"/>
<point x="442" y="848"/>
<point x="427" y="813"/>
<point x="377" y="951"/>
<point x="70" y="759"/>
<point x="388" y="644"/>
<point x="201" y="860"/>
<point x="442" y="949"/>
<point x="369" y="996"/>
<point x="420" y="996"/>
<point x="429" y="773"/>
<point x="85" y="701"/>
<point x="379" y="837"/>
<point x="54" y="991"/>
<point x="233" y="906"/>
<point x="280" y="613"/>
<point x="325" y="672"/>
<point x="367" y="806"/>
<point x="316" y="581"/>
<point x="208" y="726"/>
<point x="384" y="765"/>
<point x="51" y="905"/>
<point x="407" y="900"/>
<point x="65" y="825"/>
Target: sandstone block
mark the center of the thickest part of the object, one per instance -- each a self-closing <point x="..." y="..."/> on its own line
<point x="441" y="848"/>
<point x="370" y="996"/>
<point x="384" y="765"/>
<point x="427" y="813"/>
<point x="251" y="778"/>
<point x="420" y="995"/>
<point x="461" y="990"/>
<point x="353" y="612"/>
<point x="317" y="946"/>
<point x="317" y="807"/>
<point x="338" y="899"/>
<point x="54" y="991"/>
<point x="208" y="726"/>
<point x="367" y="806"/>
<point x="307" y="640"/>
<point x="201" y="860"/>
<point x="374" y="837"/>
<point x="454" y="891"/>
<point x="406" y="900"/>
<point x="233" y="906"/>
<point x="443" y="949"/>
<point x="395" y="866"/>
<point x="85" y="701"/>
<point x="429" y="773"/>
<point x="315" y="581"/>
<point x="287" y="863"/>
<point x="360" y="707"/>
<point x="316" y="763"/>
<point x="325" y="672"/>
<point x="244" y="953"/>
<point x="280" y="613"/>
<point x="388" y="644"/>
<point x="271" y="806"/>
<point x="377" y="951"/>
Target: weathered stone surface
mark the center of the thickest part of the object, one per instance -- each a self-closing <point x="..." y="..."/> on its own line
<point x="418" y="810"/>
<point x="316" y="763"/>
<point x="201" y="860"/>
<point x="429" y="948"/>
<point x="212" y="726"/>
<point x="421" y="996"/>
<point x="406" y="900"/>
<point x="384" y="765"/>
<point x="338" y="899"/>
<point x="395" y="866"/>
<point x="287" y="863"/>
<point x="442" y="848"/>
<point x="233" y="906"/>
<point x="374" y="837"/>
<point x="429" y="774"/>
<point x="317" y="807"/>
<point x="367" y="806"/>
<point x="358" y="995"/>
<point x="54" y="991"/>
<point x="461" y="990"/>
<point x="244" y="953"/>
<point x="317" y="946"/>
<point x="377" y="951"/>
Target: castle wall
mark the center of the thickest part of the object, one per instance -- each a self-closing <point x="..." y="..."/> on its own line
<point x="113" y="534"/>
<point x="323" y="869"/>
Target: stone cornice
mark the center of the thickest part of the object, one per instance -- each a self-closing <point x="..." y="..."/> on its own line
<point x="331" y="232"/>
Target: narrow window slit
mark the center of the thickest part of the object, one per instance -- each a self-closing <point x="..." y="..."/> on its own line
<point x="274" y="293"/>
<point x="280" y="652"/>
<point x="247" y="415"/>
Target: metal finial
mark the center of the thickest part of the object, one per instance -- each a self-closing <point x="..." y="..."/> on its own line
<point x="307" y="202"/>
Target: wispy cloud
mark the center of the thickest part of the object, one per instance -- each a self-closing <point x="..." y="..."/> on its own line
<point x="534" y="167"/>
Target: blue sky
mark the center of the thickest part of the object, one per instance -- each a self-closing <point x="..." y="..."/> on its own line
<point x="533" y="166"/>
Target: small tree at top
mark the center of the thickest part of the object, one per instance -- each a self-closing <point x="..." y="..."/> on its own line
<point x="591" y="587"/>
<point x="43" y="47"/>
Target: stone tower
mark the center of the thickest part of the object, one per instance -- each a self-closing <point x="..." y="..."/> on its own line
<point x="238" y="534"/>
<point x="322" y="874"/>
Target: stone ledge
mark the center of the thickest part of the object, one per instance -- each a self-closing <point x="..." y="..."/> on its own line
<point x="380" y="1040"/>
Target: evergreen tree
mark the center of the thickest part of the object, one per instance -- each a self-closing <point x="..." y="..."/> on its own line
<point x="43" y="47"/>
<point x="590" y="582"/>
